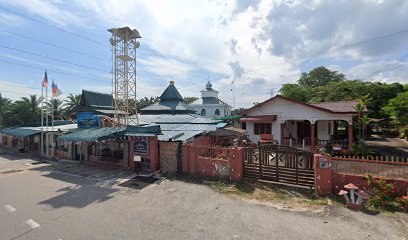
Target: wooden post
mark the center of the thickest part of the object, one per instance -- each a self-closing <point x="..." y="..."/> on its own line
<point x="350" y="134"/>
<point x="282" y="133"/>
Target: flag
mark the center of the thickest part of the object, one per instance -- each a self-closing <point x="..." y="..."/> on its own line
<point x="44" y="82"/>
<point x="55" y="90"/>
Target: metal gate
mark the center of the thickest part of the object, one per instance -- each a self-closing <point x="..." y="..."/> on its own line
<point x="280" y="163"/>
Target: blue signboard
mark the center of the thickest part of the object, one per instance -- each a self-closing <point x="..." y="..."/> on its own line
<point x="87" y="120"/>
<point x="141" y="147"/>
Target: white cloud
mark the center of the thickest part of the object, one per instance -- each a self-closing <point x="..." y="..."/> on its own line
<point x="266" y="42"/>
<point x="52" y="10"/>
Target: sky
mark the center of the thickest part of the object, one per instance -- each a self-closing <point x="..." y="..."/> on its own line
<point x="257" y="44"/>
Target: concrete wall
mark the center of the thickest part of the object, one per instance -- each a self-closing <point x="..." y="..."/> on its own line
<point x="328" y="182"/>
<point x="231" y="167"/>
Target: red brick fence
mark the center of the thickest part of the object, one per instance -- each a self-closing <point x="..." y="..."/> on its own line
<point x="340" y="171"/>
<point x="330" y="173"/>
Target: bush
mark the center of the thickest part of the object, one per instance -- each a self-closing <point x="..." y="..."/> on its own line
<point x="361" y="149"/>
<point x="384" y="195"/>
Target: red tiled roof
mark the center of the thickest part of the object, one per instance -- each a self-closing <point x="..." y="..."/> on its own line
<point x="331" y="107"/>
<point x="338" y="107"/>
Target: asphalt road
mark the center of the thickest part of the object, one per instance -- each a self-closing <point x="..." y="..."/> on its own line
<point x="52" y="201"/>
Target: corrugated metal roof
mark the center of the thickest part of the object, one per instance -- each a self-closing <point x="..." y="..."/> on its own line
<point x="20" y="132"/>
<point x="96" y="134"/>
<point x="175" y="118"/>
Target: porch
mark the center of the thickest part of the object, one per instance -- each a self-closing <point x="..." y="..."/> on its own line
<point x="317" y="134"/>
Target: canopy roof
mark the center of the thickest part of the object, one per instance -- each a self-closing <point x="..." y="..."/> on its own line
<point x="97" y="134"/>
<point x="20" y="132"/>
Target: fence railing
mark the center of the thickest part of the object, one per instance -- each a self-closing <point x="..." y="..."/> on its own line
<point x="378" y="166"/>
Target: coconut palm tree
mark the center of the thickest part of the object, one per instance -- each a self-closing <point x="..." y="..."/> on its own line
<point x="71" y="105"/>
<point x="4" y="104"/>
<point x="57" y="104"/>
<point x="360" y="107"/>
<point x="33" y="103"/>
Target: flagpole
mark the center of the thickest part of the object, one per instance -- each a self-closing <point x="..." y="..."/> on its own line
<point x="42" y="121"/>
<point x="52" y="122"/>
<point x="46" y="120"/>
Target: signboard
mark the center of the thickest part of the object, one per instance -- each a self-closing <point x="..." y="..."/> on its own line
<point x="87" y="120"/>
<point x="141" y="147"/>
<point x="323" y="163"/>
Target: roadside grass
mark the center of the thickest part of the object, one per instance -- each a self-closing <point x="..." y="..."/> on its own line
<point x="288" y="196"/>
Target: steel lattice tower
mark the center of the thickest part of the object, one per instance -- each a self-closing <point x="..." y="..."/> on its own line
<point x="124" y="44"/>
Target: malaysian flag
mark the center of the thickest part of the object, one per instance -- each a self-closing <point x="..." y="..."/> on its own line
<point x="55" y="90"/>
<point x="44" y="82"/>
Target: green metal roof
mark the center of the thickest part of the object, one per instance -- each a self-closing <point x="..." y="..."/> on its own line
<point x="96" y="134"/>
<point x="20" y="132"/>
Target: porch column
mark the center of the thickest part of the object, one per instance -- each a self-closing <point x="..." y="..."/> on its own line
<point x="282" y="133"/>
<point x="350" y="134"/>
<point x="312" y="133"/>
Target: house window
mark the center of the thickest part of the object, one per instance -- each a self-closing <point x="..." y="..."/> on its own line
<point x="262" y="128"/>
<point x="243" y="125"/>
<point x="217" y="112"/>
<point x="203" y="113"/>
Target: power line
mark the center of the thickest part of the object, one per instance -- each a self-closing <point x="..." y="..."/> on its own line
<point x="52" y="58"/>
<point x="388" y="66"/>
<point x="49" y="70"/>
<point x="370" y="39"/>
<point x="53" y="45"/>
<point x="52" y="26"/>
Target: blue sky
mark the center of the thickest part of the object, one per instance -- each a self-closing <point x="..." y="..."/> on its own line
<point x="262" y="44"/>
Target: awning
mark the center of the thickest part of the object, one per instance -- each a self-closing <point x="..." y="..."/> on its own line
<point x="20" y="132"/>
<point x="259" y="119"/>
<point x="97" y="134"/>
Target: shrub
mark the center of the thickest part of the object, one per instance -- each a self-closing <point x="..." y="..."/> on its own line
<point x="361" y="149"/>
<point x="384" y="195"/>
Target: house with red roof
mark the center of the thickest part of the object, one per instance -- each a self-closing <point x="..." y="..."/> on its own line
<point x="290" y="122"/>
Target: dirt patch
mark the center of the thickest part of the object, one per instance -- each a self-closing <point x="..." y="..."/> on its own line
<point x="283" y="197"/>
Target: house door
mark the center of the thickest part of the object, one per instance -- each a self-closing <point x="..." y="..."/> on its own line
<point x="303" y="129"/>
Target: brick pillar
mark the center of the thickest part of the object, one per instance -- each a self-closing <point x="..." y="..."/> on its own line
<point x="350" y="134"/>
<point x="236" y="164"/>
<point x="154" y="154"/>
<point x="282" y="133"/>
<point x="323" y="174"/>
<point x="312" y="137"/>
<point x="131" y="155"/>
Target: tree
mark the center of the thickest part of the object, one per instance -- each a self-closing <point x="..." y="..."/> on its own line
<point x="320" y="76"/>
<point x="145" y="102"/>
<point x="33" y="104"/>
<point x="4" y="105"/>
<point x="72" y="104"/>
<point x="295" y="91"/>
<point x="397" y="108"/>
<point x="238" y="111"/>
<point x="57" y="104"/>
<point x="188" y="100"/>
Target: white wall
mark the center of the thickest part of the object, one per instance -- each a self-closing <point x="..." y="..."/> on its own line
<point x="323" y="130"/>
<point x="210" y="109"/>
